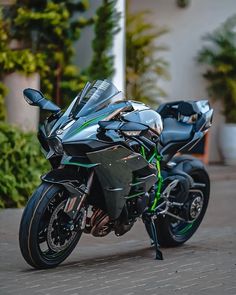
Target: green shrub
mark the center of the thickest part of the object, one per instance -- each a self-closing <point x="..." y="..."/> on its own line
<point x="50" y="28"/>
<point x="105" y="27"/>
<point x="21" y="164"/>
<point x="3" y="92"/>
<point x="145" y="66"/>
<point x="219" y="54"/>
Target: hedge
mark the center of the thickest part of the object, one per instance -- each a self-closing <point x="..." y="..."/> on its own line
<point x="21" y="164"/>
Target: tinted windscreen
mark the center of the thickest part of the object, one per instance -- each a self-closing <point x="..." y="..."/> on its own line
<point x="94" y="97"/>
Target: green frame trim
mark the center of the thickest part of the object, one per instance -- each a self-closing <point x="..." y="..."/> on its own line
<point x="152" y="157"/>
<point x="160" y="181"/>
<point x="143" y="152"/>
<point x="159" y="176"/>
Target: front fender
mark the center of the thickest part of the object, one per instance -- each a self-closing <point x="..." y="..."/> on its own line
<point x="67" y="177"/>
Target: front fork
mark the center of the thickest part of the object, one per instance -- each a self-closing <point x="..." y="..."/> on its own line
<point x="75" y="203"/>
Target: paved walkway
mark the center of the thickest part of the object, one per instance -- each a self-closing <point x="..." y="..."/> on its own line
<point x="221" y="172"/>
<point x="206" y="264"/>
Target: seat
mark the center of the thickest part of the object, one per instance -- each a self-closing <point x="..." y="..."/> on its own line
<point x="175" y="131"/>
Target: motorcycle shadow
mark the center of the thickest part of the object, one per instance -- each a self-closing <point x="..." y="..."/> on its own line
<point x="137" y="254"/>
<point x="103" y="260"/>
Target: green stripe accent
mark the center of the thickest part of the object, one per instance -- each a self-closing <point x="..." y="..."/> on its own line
<point x="143" y="152"/>
<point x="79" y="164"/>
<point x="136" y="183"/>
<point x="134" y="195"/>
<point x="89" y="122"/>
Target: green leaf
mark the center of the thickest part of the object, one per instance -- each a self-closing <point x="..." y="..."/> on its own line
<point x="21" y="164"/>
<point x="144" y="64"/>
<point x="220" y="57"/>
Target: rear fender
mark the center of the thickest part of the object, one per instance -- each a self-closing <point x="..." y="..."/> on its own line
<point x="188" y="164"/>
<point x="181" y="168"/>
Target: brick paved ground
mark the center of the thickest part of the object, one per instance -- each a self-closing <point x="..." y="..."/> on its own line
<point x="125" y="265"/>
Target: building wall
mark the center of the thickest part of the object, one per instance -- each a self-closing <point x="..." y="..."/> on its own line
<point x="187" y="26"/>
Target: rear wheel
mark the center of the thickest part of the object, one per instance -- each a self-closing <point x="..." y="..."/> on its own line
<point x="172" y="232"/>
<point x="47" y="235"/>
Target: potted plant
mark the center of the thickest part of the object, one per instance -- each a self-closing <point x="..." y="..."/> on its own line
<point x="51" y="28"/>
<point x="220" y="56"/>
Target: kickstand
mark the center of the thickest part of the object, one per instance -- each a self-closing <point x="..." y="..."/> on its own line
<point x="159" y="255"/>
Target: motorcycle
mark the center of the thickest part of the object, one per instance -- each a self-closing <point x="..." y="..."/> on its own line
<point x="114" y="161"/>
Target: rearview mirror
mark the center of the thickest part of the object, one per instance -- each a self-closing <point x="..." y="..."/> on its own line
<point x="36" y="98"/>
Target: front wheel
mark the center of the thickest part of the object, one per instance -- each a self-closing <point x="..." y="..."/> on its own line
<point x="172" y="232"/>
<point x="46" y="236"/>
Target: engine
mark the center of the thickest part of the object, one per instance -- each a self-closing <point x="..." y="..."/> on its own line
<point x="99" y="223"/>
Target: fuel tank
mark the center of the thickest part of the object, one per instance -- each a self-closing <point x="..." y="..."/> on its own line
<point x="146" y="117"/>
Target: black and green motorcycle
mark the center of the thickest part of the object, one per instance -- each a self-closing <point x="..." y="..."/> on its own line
<point x="114" y="161"/>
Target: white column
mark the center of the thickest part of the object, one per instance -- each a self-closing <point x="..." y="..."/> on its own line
<point x="119" y="49"/>
<point x="19" y="113"/>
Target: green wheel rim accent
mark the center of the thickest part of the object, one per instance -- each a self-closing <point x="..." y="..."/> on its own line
<point x="185" y="229"/>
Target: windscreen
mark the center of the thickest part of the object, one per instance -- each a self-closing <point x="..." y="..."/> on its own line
<point x="94" y="97"/>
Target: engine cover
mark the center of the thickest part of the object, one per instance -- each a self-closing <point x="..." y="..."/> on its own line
<point x="100" y="223"/>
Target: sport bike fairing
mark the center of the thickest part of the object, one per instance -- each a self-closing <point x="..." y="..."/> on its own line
<point x="115" y="173"/>
<point x="87" y="106"/>
<point x="80" y="141"/>
<point x="113" y="162"/>
<point x="77" y="134"/>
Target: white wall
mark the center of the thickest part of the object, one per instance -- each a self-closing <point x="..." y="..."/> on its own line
<point x="119" y="49"/>
<point x="187" y="26"/>
<point x="19" y="112"/>
<point x="83" y="47"/>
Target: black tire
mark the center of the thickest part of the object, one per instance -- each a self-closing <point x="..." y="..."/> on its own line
<point x="169" y="235"/>
<point x="34" y="225"/>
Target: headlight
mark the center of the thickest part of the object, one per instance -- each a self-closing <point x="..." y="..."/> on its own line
<point x="132" y="133"/>
<point x="56" y="145"/>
